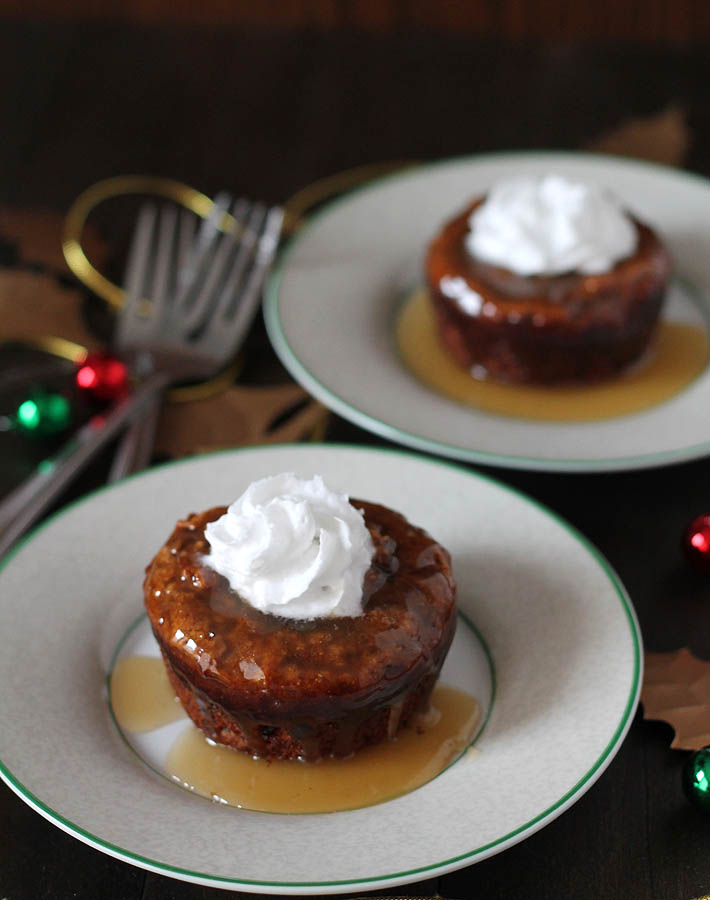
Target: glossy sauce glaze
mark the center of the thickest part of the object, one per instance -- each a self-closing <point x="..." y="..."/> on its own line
<point x="545" y="329"/>
<point x="394" y="767"/>
<point x="312" y="688"/>
<point x="678" y="356"/>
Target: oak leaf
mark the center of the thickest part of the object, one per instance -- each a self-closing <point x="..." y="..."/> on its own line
<point x="38" y="299"/>
<point x="664" y="137"/>
<point x="240" y="416"/>
<point x="676" y="690"/>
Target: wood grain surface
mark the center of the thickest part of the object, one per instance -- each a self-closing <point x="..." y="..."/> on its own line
<point x="647" y="21"/>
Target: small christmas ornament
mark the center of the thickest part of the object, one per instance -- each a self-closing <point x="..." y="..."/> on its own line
<point x="103" y="376"/>
<point x="696" y="542"/>
<point x="696" y="779"/>
<point x="43" y="413"/>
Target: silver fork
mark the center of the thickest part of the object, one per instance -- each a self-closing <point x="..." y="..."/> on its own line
<point x="190" y="333"/>
<point x="134" y="329"/>
<point x="196" y="258"/>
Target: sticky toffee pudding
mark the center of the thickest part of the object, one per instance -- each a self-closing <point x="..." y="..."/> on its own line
<point x="280" y="688"/>
<point x="562" y="328"/>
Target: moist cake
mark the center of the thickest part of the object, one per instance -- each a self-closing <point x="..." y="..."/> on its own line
<point x="283" y="686"/>
<point x="539" y="321"/>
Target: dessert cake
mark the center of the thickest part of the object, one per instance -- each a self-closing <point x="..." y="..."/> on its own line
<point x="543" y="322"/>
<point x="285" y="686"/>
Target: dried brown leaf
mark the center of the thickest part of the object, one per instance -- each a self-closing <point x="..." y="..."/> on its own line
<point x="36" y="235"/>
<point x="239" y="416"/>
<point x="34" y="304"/>
<point x="676" y="690"/>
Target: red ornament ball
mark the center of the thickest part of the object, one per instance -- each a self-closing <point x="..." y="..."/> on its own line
<point x="696" y="542"/>
<point x="104" y="377"/>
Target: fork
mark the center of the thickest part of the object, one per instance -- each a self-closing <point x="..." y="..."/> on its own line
<point x="133" y="328"/>
<point x="195" y="257"/>
<point x="189" y="333"/>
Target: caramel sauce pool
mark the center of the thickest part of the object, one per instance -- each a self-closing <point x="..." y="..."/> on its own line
<point x="142" y="700"/>
<point x="141" y="696"/>
<point x="679" y="355"/>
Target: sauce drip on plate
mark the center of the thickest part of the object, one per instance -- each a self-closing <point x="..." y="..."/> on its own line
<point x="678" y="356"/>
<point x="373" y="775"/>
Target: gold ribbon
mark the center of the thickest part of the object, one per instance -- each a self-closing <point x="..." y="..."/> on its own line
<point x="296" y="209"/>
<point x="109" y="189"/>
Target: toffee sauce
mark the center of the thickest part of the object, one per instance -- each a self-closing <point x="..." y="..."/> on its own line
<point x="421" y="751"/>
<point x="678" y="356"/>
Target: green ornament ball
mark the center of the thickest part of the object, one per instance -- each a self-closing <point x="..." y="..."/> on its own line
<point x="696" y="779"/>
<point x="43" y="413"/>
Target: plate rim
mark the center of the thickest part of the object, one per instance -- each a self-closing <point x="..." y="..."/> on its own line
<point x="373" y="882"/>
<point x="375" y="425"/>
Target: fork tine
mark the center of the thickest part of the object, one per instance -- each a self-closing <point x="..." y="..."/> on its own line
<point x="135" y="329"/>
<point x="240" y="211"/>
<point x="204" y="304"/>
<point x="225" y="288"/>
<point x="238" y="304"/>
<point x="160" y="289"/>
<point x="207" y="237"/>
<point x="252" y="230"/>
<point x="221" y="205"/>
<point x="266" y="250"/>
<point x="186" y="236"/>
<point x="136" y="273"/>
<point x="139" y="255"/>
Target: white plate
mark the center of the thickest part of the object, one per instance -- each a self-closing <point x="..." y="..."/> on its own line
<point x="557" y="623"/>
<point x="331" y="300"/>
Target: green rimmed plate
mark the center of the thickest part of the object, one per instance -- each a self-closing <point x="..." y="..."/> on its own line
<point x="552" y="617"/>
<point x="331" y="303"/>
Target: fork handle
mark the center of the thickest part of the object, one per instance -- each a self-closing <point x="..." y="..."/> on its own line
<point x="23" y="506"/>
<point x="136" y="445"/>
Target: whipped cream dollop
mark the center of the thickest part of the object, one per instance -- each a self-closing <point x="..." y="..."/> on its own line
<point x="550" y="225"/>
<point x="291" y="547"/>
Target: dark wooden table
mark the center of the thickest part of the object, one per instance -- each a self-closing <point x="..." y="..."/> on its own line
<point x="264" y="113"/>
